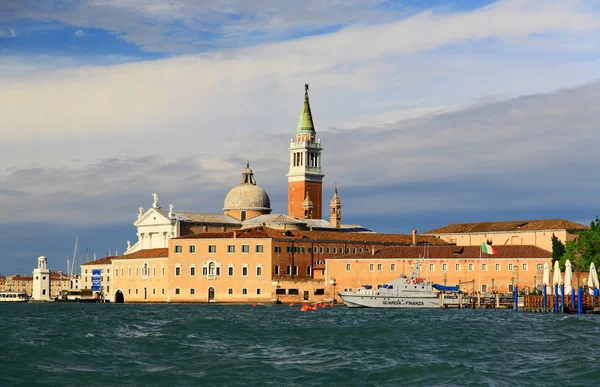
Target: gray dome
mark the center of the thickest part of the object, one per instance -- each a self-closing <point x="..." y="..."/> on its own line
<point x="247" y="195"/>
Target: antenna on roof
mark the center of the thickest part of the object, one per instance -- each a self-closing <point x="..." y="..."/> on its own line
<point x="86" y="256"/>
<point x="94" y="256"/>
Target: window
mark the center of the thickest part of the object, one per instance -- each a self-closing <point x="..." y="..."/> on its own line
<point x="392" y="267"/>
<point x="524" y="267"/>
<point x="293" y="292"/>
<point x="243" y="215"/>
<point x="302" y="249"/>
<point x="484" y="267"/>
<point x="288" y="270"/>
<point x="431" y="267"/>
<point x="162" y="291"/>
<point x="177" y="270"/>
<point x="309" y="249"/>
<point x="137" y="271"/>
<point x="212" y="249"/>
<point x="371" y="267"/>
<point x="328" y="250"/>
<point x="471" y="267"/>
<point x="308" y="270"/>
<point x="347" y="250"/>
<point x="193" y="271"/>
<point x="192" y="249"/>
<point x="295" y="269"/>
<point x="136" y="291"/>
<point x="510" y="268"/>
<point x="379" y="267"/>
<point x="204" y="270"/>
<point x="211" y="268"/>
<point x="178" y="249"/>
<point x="122" y="272"/>
<point x="335" y="250"/>
<point x="244" y="291"/>
<point x="192" y="291"/>
<point x="288" y="249"/>
<point x="230" y="270"/>
<point x="444" y="267"/>
<point x="540" y="267"/>
<point x="276" y="270"/>
<point x="177" y="291"/>
<point x="245" y="270"/>
<point x="230" y="291"/>
<point x="483" y="288"/>
<point x="230" y="249"/>
<point x="153" y="291"/>
<point x="258" y="271"/>
<point x="497" y="267"/>
<point x="457" y="267"/>
<point x="116" y="273"/>
<point x="277" y="249"/>
<point x="321" y="250"/>
<point x="510" y="288"/>
<point x="245" y="249"/>
<point x="153" y="271"/>
<point x="129" y="271"/>
<point x="163" y="271"/>
<point x="258" y="291"/>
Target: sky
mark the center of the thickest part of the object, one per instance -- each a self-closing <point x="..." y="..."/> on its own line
<point x="429" y="112"/>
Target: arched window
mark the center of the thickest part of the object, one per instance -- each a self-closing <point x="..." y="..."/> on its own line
<point x="211" y="268"/>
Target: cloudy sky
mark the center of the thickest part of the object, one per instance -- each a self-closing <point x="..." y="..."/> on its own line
<point x="430" y="112"/>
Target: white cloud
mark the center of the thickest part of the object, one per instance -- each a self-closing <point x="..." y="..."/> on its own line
<point x="8" y="33"/>
<point x="80" y="33"/>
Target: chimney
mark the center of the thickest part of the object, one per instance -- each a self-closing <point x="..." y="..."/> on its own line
<point x="234" y="234"/>
<point x="414" y="235"/>
<point x="373" y="250"/>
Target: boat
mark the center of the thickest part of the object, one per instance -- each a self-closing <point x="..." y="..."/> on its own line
<point x="76" y="295"/>
<point x="13" y="297"/>
<point x="403" y="292"/>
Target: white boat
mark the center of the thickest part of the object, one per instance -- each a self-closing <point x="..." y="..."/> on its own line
<point x="404" y="292"/>
<point x="13" y="297"/>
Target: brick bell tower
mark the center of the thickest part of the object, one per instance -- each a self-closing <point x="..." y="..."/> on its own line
<point x="305" y="180"/>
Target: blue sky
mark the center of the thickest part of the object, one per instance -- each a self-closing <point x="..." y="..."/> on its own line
<point x="430" y="112"/>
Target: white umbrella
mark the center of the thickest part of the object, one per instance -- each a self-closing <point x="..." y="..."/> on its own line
<point x="568" y="277"/>
<point x="593" y="279"/>
<point x="556" y="280"/>
<point x="546" y="277"/>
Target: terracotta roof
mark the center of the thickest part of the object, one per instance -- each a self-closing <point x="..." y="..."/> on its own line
<point x="147" y="253"/>
<point x="266" y="232"/>
<point x="437" y="252"/>
<point x="19" y="278"/>
<point x="514" y="225"/>
<point x="101" y="261"/>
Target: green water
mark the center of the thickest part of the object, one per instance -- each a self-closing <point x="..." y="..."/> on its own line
<point x="203" y="345"/>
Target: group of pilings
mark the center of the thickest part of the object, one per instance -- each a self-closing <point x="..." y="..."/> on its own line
<point x="578" y="301"/>
<point x="462" y="300"/>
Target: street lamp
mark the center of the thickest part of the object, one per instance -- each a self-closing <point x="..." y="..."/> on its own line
<point x="512" y="281"/>
<point x="492" y="286"/>
<point x="332" y="282"/>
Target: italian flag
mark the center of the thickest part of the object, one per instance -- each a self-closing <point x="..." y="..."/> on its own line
<point x="488" y="249"/>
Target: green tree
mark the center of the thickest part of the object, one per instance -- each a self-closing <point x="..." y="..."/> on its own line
<point x="558" y="249"/>
<point x="585" y="249"/>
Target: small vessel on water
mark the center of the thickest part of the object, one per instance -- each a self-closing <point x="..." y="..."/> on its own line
<point x="76" y="295"/>
<point x="404" y="292"/>
<point x="13" y="297"/>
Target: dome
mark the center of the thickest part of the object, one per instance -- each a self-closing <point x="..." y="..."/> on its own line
<point x="247" y="195"/>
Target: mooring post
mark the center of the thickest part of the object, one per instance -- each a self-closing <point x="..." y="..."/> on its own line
<point x="595" y="297"/>
<point x="516" y="297"/>
<point x="573" y="298"/>
<point x="555" y="298"/>
<point x="460" y="301"/>
<point x="580" y="301"/>
<point x="562" y="298"/>
<point x="544" y="300"/>
<point x="497" y="300"/>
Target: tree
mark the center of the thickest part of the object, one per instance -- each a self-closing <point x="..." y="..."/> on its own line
<point x="558" y="249"/>
<point x="585" y="249"/>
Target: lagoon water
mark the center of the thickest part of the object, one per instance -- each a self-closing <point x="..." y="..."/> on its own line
<point x="276" y="345"/>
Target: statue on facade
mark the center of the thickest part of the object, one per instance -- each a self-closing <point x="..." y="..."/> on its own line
<point x="155" y="197"/>
<point x="141" y="211"/>
<point x="128" y="245"/>
<point x="170" y="211"/>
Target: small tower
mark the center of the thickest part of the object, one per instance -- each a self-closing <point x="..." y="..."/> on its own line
<point x="304" y="176"/>
<point x="307" y="207"/>
<point x="335" y="210"/>
<point x="41" y="281"/>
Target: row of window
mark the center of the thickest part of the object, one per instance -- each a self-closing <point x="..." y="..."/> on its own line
<point x="162" y="291"/>
<point x="212" y="249"/>
<point x="213" y="269"/>
<point x="229" y="291"/>
<point x="321" y="250"/>
<point x="457" y="267"/>
<point x="145" y="271"/>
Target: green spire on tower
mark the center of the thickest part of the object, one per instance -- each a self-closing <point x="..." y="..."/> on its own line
<point x="305" y="125"/>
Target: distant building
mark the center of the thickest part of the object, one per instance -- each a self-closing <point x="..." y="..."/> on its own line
<point x="17" y="283"/>
<point x="514" y="265"/>
<point x="517" y="232"/>
<point x="41" y="281"/>
<point x="104" y="265"/>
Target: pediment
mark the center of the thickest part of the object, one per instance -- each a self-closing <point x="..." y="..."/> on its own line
<point x="154" y="217"/>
